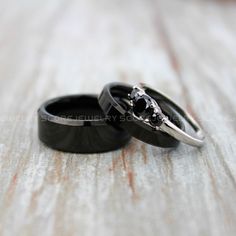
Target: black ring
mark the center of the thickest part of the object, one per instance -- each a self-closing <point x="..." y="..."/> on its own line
<point x="113" y="102"/>
<point x="77" y="124"/>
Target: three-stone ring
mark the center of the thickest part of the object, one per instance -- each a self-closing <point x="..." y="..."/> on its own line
<point x="146" y="109"/>
<point x="147" y="117"/>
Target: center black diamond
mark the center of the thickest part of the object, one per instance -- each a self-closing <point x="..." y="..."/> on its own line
<point x="142" y="106"/>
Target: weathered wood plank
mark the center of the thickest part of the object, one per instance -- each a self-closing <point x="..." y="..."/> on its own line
<point x="184" y="48"/>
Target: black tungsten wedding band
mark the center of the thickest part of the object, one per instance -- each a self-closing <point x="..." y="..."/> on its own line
<point x="77" y="124"/>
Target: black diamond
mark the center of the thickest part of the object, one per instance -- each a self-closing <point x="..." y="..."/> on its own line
<point x="140" y="106"/>
<point x="156" y="120"/>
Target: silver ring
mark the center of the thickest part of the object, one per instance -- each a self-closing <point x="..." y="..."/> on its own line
<point x="146" y="109"/>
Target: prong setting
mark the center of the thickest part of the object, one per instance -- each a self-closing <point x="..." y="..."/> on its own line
<point x="145" y="108"/>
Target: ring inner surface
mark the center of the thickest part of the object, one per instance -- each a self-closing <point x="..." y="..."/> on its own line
<point x="120" y="94"/>
<point x="76" y="108"/>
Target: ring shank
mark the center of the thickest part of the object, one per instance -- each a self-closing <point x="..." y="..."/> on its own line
<point x="171" y="128"/>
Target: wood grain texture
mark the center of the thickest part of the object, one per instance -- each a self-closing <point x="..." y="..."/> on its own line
<point x="184" y="48"/>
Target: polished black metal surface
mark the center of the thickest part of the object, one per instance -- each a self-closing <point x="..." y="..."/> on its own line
<point x="114" y="100"/>
<point x="77" y="124"/>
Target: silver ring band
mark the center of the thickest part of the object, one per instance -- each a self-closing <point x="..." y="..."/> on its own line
<point x="164" y="124"/>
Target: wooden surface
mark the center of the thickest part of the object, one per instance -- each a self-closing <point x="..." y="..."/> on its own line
<point x="184" y="48"/>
